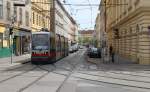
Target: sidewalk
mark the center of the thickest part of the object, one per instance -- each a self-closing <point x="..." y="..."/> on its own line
<point x="123" y="72"/>
<point x="118" y="60"/>
<point x="16" y="59"/>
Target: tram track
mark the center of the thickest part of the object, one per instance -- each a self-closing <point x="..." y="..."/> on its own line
<point x="25" y="72"/>
<point x="16" y="67"/>
<point x="131" y="74"/>
<point x="47" y="72"/>
<point x="39" y="78"/>
<point x="4" y="80"/>
<point x="99" y="81"/>
<point x="73" y="69"/>
<point x="114" y="77"/>
<point x="73" y="64"/>
<point x="109" y="78"/>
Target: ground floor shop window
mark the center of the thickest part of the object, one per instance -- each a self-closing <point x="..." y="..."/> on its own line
<point x="1" y="40"/>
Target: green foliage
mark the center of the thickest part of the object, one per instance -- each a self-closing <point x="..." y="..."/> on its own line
<point x="85" y="40"/>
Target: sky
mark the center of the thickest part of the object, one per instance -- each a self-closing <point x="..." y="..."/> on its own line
<point x="82" y="14"/>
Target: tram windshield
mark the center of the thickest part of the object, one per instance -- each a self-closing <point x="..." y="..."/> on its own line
<point x="40" y="41"/>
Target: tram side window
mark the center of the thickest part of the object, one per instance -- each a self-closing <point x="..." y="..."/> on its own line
<point x="51" y="43"/>
<point x="1" y="40"/>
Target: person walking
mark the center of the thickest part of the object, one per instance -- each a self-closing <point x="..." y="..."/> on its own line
<point x="112" y="54"/>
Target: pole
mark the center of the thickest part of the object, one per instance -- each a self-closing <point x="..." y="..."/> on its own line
<point x="105" y="16"/>
<point x="52" y="25"/>
<point x="103" y="42"/>
<point x="52" y="17"/>
<point x="10" y="38"/>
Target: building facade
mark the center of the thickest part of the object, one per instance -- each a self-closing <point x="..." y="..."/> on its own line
<point x="19" y="16"/>
<point x="40" y="14"/>
<point x="128" y="27"/>
<point x="86" y="37"/>
<point x="98" y="31"/>
<point x="65" y="24"/>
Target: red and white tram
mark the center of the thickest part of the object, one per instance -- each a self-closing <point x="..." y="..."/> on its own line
<point x="48" y="47"/>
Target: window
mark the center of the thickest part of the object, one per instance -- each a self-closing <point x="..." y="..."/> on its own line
<point x="27" y="18"/>
<point x="37" y="19"/>
<point x="8" y="11"/>
<point x="20" y="13"/>
<point x="40" y="20"/>
<point x="33" y="18"/>
<point x="1" y="8"/>
<point x="15" y="13"/>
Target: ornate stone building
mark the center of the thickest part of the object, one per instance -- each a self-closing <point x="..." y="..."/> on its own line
<point x="65" y="24"/>
<point x="128" y="28"/>
<point x="40" y="14"/>
<point x="19" y="16"/>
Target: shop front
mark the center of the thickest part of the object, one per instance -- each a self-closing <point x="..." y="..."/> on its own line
<point x="21" y="42"/>
<point x="4" y="43"/>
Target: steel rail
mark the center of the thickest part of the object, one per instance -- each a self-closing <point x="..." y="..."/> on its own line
<point x="17" y="67"/>
<point x="74" y="67"/>
<point x="42" y="76"/>
<point x="4" y="80"/>
<point x="113" y="77"/>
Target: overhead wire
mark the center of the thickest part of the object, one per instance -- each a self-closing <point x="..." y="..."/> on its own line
<point x="71" y="9"/>
<point x="75" y="11"/>
<point x="91" y="12"/>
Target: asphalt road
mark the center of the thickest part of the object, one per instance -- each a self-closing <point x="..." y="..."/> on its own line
<point x="75" y="74"/>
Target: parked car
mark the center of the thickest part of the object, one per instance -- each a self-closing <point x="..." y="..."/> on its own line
<point x="81" y="47"/>
<point x="89" y="50"/>
<point x="94" y="52"/>
<point x="70" y="49"/>
<point x="74" y="47"/>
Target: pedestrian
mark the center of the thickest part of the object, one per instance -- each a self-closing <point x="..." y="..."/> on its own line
<point x="112" y="54"/>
